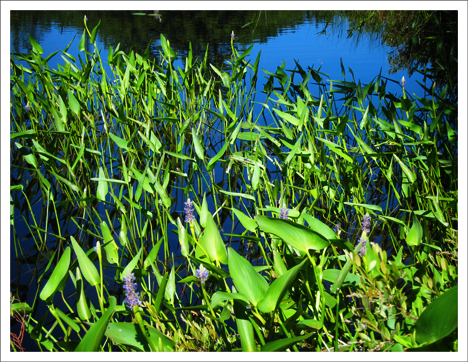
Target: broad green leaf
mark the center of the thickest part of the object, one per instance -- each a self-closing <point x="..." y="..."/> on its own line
<point x="82" y="303"/>
<point x="167" y="47"/>
<point x="415" y="234"/>
<point x="212" y="242"/>
<point x="119" y="141"/>
<point x="337" y="149"/>
<point x="110" y="246"/>
<point x="246" y="196"/>
<point x="73" y="103"/>
<point x="244" y="327"/>
<point x="88" y="269"/>
<point x="153" y="254"/>
<point x="91" y="341"/>
<point x="439" y="319"/>
<point x="220" y="154"/>
<point x="102" y="188"/>
<point x="198" y="146"/>
<point x="166" y="200"/>
<point x="278" y="289"/>
<point x="296" y="235"/>
<point x="283" y="344"/>
<point x="94" y="32"/>
<point x="183" y="239"/>
<point x="332" y="275"/>
<point x="366" y="206"/>
<point x="129" y="268"/>
<point x="256" y="176"/>
<point x="36" y="47"/>
<point x="319" y="227"/>
<point x="67" y="320"/>
<point x="278" y="263"/>
<point x="246" y="280"/>
<point x="246" y="221"/>
<point x="170" y="286"/>
<point x="130" y="334"/>
<point x="220" y="296"/>
<point x="411" y="175"/>
<point x="287" y="117"/>
<point x="21" y="308"/>
<point x="82" y="43"/>
<point x="203" y="212"/>
<point x="60" y="271"/>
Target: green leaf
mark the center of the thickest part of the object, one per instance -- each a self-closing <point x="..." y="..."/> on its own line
<point x="102" y="188"/>
<point x="337" y="149"/>
<point x="332" y="275"/>
<point x="220" y="154"/>
<point x="129" y="268"/>
<point x="170" y="286"/>
<point x="203" y="212"/>
<point x="415" y="234"/>
<point x="198" y="146"/>
<point x="366" y="206"/>
<point x="67" y="320"/>
<point x="246" y="280"/>
<point x="82" y="303"/>
<point x="246" y="221"/>
<point x="81" y="45"/>
<point x="94" y="32"/>
<point x="278" y="289"/>
<point x="183" y="239"/>
<point x="220" y="296"/>
<point x="411" y="175"/>
<point x="60" y="271"/>
<point x="110" y="246"/>
<point x="283" y="344"/>
<point x="166" y="200"/>
<point x="130" y="334"/>
<point x="287" y="117"/>
<point x="296" y="235"/>
<point x="73" y="103"/>
<point x="91" y="341"/>
<point x="88" y="269"/>
<point x="36" y="47"/>
<point x="212" y="242"/>
<point x="166" y="47"/>
<point x="119" y="141"/>
<point x="439" y="319"/>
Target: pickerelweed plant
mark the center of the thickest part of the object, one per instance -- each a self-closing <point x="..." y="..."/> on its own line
<point x="111" y="158"/>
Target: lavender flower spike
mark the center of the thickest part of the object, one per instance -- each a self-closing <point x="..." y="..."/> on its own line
<point x="132" y="299"/>
<point x="363" y="248"/>
<point x="403" y="82"/>
<point x="202" y="274"/>
<point x="232" y="35"/>
<point x="336" y="229"/>
<point x="366" y="224"/>
<point x="284" y="213"/>
<point x="189" y="211"/>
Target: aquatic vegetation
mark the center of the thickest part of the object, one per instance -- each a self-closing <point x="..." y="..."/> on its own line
<point x="114" y="156"/>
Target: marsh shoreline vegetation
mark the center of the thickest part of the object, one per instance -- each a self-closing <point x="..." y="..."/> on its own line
<point x="169" y="209"/>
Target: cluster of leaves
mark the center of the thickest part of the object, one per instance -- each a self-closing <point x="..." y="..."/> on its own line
<point x="111" y="155"/>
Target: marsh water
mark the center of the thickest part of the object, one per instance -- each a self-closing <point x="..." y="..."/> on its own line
<point x="313" y="39"/>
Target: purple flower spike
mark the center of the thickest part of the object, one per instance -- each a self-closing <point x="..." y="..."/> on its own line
<point x="132" y="299"/>
<point x="284" y="213"/>
<point x="366" y="223"/>
<point x="202" y="274"/>
<point x="403" y="82"/>
<point x="232" y="35"/>
<point x="189" y="211"/>
<point x="27" y="108"/>
<point x="363" y="249"/>
<point x="336" y="229"/>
